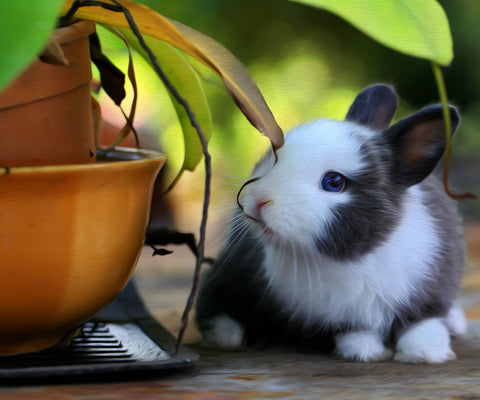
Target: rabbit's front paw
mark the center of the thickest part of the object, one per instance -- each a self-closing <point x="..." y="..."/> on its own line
<point x="361" y="346"/>
<point x="427" y="342"/>
<point x="224" y="332"/>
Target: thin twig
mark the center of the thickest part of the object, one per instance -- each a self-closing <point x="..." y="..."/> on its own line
<point x="448" y="135"/>
<point x="133" y="81"/>
<point x="253" y="180"/>
<point x="208" y="174"/>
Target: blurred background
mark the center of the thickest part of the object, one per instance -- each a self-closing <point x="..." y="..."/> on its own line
<point x="308" y="64"/>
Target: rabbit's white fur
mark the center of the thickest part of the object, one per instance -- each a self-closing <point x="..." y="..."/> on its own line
<point x="315" y="289"/>
<point x="298" y="198"/>
<point x="374" y="264"/>
<point x="427" y="341"/>
<point x="225" y="333"/>
<point x="364" y="291"/>
<point x="362" y="346"/>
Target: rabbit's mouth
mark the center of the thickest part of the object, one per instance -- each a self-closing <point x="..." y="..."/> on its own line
<point x="266" y="232"/>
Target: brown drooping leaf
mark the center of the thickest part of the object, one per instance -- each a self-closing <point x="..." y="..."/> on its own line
<point x="161" y="252"/>
<point x="166" y="236"/>
<point x="208" y="51"/>
<point x="237" y="80"/>
<point x="112" y="79"/>
<point x="53" y="54"/>
<point x="124" y="132"/>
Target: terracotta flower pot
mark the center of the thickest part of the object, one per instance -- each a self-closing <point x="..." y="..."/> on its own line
<point x="46" y="113"/>
<point x="69" y="240"/>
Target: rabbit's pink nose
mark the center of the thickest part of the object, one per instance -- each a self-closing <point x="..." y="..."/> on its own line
<point x="262" y="203"/>
<point x="256" y="211"/>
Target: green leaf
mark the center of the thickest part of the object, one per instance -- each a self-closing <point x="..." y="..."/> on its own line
<point x="25" y="27"/>
<point x="215" y="56"/>
<point x="415" y="27"/>
<point x="186" y="81"/>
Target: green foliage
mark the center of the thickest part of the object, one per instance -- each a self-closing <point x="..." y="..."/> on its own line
<point x="187" y="82"/>
<point x="209" y="52"/>
<point x="415" y="27"/>
<point x="25" y="27"/>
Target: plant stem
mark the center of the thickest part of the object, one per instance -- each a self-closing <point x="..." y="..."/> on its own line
<point x="207" y="158"/>
<point x="208" y="174"/>
<point x="437" y="72"/>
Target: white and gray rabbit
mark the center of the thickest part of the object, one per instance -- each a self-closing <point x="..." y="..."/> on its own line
<point x="347" y="242"/>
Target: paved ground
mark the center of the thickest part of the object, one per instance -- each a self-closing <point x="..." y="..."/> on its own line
<point x="280" y="373"/>
<point x="284" y="375"/>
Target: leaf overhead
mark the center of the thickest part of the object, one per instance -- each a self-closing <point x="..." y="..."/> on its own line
<point x="415" y="27"/>
<point x="31" y="27"/>
<point x="185" y="79"/>
<point x="208" y="51"/>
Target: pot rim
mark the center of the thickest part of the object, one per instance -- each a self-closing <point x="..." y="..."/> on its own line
<point x="112" y="159"/>
<point x="77" y="29"/>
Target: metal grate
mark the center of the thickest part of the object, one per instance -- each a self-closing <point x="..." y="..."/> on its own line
<point x="122" y="338"/>
<point x="97" y="343"/>
<point x="108" y="342"/>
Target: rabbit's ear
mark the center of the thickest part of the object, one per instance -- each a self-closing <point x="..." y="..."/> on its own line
<point x="374" y="107"/>
<point x="418" y="143"/>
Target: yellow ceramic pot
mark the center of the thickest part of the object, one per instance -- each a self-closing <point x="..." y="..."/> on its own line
<point x="70" y="237"/>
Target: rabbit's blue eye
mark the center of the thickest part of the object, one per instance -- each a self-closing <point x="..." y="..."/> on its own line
<point x="333" y="182"/>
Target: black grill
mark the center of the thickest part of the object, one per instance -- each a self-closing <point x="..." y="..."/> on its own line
<point x="121" y="338"/>
<point x="96" y="341"/>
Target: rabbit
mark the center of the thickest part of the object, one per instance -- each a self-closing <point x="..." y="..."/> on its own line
<point x="345" y="242"/>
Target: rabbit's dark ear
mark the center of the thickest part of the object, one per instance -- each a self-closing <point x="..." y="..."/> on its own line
<point x="418" y="143"/>
<point x="374" y="107"/>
